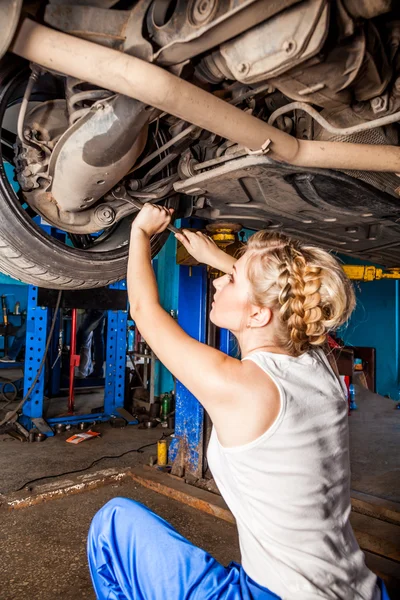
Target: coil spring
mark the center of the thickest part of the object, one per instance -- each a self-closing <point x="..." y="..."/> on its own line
<point x="81" y="96"/>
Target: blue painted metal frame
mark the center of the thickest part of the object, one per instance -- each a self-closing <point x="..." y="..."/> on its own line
<point x="187" y="446"/>
<point x="36" y="335"/>
<point x="226" y="342"/>
<point x="115" y="356"/>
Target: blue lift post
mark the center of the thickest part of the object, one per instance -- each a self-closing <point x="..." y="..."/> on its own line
<point x="187" y="450"/>
<point x="36" y="334"/>
<point x="116" y="342"/>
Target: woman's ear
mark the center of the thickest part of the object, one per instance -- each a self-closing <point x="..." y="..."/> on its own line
<point x="259" y="316"/>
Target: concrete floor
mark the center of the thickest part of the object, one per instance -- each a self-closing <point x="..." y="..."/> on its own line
<point x="374" y="438"/>
<point x="42" y="548"/>
<point x="22" y="462"/>
<point x="374" y="446"/>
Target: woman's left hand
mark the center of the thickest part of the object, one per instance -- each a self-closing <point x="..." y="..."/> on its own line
<point x="152" y="219"/>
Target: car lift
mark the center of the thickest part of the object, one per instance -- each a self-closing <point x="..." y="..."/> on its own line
<point x="39" y="306"/>
<point x="187" y="450"/>
<point x="370" y="273"/>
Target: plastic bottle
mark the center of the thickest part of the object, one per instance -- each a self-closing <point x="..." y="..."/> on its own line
<point x="352" y="392"/>
<point x="162" y="453"/>
<point x="165" y="406"/>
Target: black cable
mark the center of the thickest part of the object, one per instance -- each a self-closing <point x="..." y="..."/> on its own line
<point x="9" y="416"/>
<point x="139" y="450"/>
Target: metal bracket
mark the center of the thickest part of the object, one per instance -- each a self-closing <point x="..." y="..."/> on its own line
<point x="42" y="426"/>
<point x="130" y="419"/>
<point x="263" y="150"/>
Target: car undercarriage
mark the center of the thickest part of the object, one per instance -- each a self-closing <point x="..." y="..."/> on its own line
<point x="274" y="115"/>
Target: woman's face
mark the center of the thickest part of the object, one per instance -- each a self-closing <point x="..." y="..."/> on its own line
<point x="231" y="298"/>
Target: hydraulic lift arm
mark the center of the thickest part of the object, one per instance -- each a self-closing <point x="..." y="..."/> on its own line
<point x="370" y="273"/>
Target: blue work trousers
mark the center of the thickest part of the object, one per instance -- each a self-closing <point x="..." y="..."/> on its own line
<point x="135" y="555"/>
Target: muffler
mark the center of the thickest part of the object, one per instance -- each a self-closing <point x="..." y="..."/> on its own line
<point x="152" y="85"/>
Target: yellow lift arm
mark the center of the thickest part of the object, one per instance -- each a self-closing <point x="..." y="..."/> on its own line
<point x="225" y="235"/>
<point x="370" y="273"/>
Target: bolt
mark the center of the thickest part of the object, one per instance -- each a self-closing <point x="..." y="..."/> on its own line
<point x="377" y="102"/>
<point x="202" y="10"/>
<point x="134" y="184"/>
<point x="105" y="214"/>
<point x="204" y="6"/>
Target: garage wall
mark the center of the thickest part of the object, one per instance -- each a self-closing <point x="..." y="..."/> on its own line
<point x="14" y="292"/>
<point x="375" y="323"/>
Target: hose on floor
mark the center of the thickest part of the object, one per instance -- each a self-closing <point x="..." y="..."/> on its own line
<point x="92" y="464"/>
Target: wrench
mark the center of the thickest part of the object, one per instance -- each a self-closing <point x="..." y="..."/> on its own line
<point x="139" y="205"/>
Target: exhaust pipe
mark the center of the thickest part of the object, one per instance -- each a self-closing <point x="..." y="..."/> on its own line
<point x="156" y="87"/>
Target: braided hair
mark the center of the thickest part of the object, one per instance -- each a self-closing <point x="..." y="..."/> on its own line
<point x="304" y="285"/>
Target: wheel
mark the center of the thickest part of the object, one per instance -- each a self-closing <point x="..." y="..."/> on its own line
<point x="27" y="251"/>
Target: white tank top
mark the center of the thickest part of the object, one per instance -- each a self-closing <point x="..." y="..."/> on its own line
<point x="289" y="490"/>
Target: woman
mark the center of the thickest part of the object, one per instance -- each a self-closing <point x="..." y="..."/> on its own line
<point x="279" y="448"/>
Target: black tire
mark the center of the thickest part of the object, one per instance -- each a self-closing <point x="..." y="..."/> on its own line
<point x="28" y="253"/>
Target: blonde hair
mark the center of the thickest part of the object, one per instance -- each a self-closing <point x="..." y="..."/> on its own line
<point x="304" y="285"/>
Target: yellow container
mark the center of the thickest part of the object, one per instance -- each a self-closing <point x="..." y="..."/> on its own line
<point x="162" y="453"/>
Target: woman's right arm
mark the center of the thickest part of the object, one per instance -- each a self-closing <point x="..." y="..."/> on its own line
<point x="205" y="250"/>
